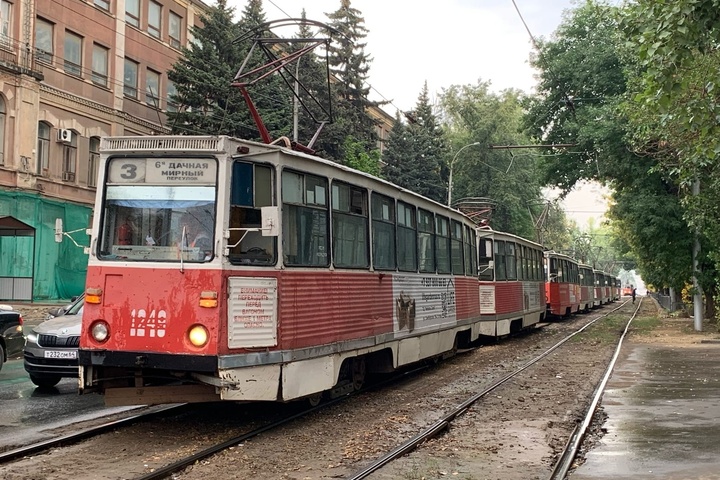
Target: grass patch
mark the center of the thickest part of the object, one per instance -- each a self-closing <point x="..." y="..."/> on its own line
<point x="644" y="325"/>
<point x="605" y="330"/>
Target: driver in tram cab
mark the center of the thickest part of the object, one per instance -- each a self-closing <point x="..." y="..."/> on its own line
<point x="196" y="235"/>
<point x="126" y="231"/>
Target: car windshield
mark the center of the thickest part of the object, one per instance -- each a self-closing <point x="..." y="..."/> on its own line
<point x="77" y="307"/>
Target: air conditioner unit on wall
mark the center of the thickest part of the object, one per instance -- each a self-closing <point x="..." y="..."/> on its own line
<point x="65" y="135"/>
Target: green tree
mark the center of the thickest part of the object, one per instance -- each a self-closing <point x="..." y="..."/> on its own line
<point x="475" y="115"/>
<point x="414" y="155"/>
<point x="676" y="109"/>
<point x="207" y="103"/>
<point x="349" y="66"/>
<point x="586" y="70"/>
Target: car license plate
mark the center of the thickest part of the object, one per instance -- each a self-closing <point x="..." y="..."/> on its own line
<point x="70" y="354"/>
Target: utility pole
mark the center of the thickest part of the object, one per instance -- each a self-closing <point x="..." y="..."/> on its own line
<point x="697" y="297"/>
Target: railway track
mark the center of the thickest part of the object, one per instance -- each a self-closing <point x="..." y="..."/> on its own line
<point x="177" y="467"/>
<point x="440" y="426"/>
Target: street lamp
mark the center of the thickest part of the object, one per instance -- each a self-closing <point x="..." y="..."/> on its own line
<point x="450" y="178"/>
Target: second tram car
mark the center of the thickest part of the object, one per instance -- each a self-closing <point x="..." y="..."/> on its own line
<point x="512" y="287"/>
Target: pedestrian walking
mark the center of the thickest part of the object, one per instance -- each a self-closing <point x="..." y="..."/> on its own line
<point x="633" y="293"/>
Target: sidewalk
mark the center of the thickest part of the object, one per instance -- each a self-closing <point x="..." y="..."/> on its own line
<point x="663" y="412"/>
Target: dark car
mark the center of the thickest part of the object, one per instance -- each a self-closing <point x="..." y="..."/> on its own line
<point x="11" y="333"/>
<point x="51" y="347"/>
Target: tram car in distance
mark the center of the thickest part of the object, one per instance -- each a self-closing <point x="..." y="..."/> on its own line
<point x="603" y="290"/>
<point x="627" y="290"/>
<point x="562" y="284"/>
<point x="511" y="283"/>
<point x="587" y="287"/>
<point x="251" y="272"/>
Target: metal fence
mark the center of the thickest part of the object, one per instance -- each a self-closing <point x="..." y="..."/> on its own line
<point x="667" y="304"/>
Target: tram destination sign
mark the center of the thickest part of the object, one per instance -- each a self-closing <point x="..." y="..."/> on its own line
<point x="163" y="171"/>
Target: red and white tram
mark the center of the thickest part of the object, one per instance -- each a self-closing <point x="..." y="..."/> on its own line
<point x="587" y="287"/>
<point x="512" y="287"/>
<point x="249" y="271"/>
<point x="562" y="284"/>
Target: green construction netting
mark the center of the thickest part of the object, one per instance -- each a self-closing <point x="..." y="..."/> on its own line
<point x="58" y="269"/>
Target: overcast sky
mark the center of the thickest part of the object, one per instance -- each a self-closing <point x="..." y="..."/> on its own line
<point x="453" y="42"/>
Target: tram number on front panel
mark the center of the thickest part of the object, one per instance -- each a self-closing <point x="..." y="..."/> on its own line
<point x="145" y="323"/>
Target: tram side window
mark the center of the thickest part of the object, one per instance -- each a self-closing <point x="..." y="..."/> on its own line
<point x="554" y="270"/>
<point x="406" y="238"/>
<point x="442" y="244"/>
<point x="500" y="272"/>
<point x="511" y="261"/>
<point x="521" y="262"/>
<point x="350" y="226"/>
<point x="251" y="188"/>
<point x="305" y="220"/>
<point x="383" y="232"/>
<point x="456" y="248"/>
<point x="469" y="254"/>
<point x="426" y="241"/>
<point x="485" y="272"/>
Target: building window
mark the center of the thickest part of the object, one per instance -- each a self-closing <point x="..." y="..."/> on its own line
<point x="2" y="131"/>
<point x="100" y="65"/>
<point x="152" y="87"/>
<point x="154" y="19"/>
<point x="73" y="54"/>
<point x="171" y="97"/>
<point x="44" y="41"/>
<point x="130" y="80"/>
<point x="43" y="149"/>
<point x="6" y="24"/>
<point x="175" y="30"/>
<point x="104" y="4"/>
<point x="93" y="161"/>
<point x="70" y="159"/>
<point x="132" y="12"/>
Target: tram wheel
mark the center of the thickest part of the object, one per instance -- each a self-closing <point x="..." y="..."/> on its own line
<point x="358" y="373"/>
<point x="314" y="399"/>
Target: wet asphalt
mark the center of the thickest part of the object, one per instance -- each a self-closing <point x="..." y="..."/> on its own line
<point x="663" y="416"/>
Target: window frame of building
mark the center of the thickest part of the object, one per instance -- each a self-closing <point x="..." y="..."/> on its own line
<point x="43" y="149"/>
<point x="73" y="66"/>
<point x="154" y="19"/>
<point x="102" y="4"/>
<point x="93" y="161"/>
<point x="132" y="13"/>
<point x="171" y="91"/>
<point x="41" y="53"/>
<point x="100" y="62"/>
<point x="152" y="98"/>
<point x="69" y="156"/>
<point x="175" y="30"/>
<point x="130" y="91"/>
<point x="6" y="21"/>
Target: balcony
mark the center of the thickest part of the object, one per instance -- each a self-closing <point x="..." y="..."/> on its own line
<point x="16" y="58"/>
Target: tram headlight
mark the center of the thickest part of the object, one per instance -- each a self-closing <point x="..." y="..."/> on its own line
<point x="198" y="335"/>
<point x="100" y="331"/>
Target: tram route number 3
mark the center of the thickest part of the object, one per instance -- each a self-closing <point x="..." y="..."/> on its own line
<point x="148" y="324"/>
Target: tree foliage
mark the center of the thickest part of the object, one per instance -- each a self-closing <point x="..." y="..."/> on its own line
<point x="414" y="154"/>
<point x="474" y="114"/>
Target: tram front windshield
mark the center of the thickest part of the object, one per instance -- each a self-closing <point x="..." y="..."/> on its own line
<point x="158" y="211"/>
